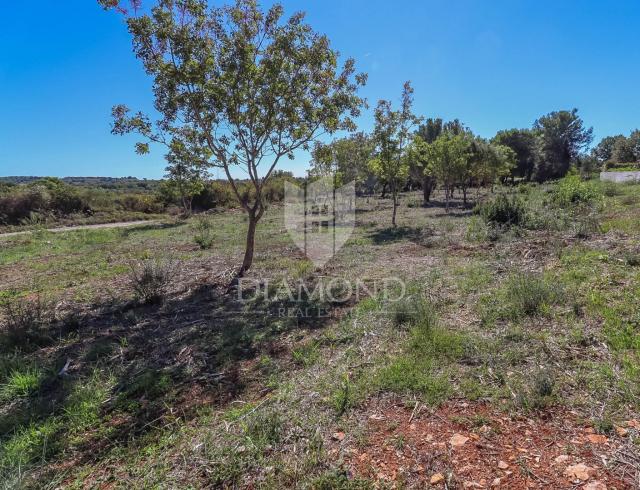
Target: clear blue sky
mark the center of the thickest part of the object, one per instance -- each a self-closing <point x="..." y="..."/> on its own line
<point x="493" y="63"/>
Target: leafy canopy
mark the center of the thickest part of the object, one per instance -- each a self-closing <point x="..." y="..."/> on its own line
<point x="236" y="86"/>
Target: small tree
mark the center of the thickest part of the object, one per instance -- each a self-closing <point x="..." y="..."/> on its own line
<point x="347" y="157"/>
<point x="185" y="180"/>
<point x="237" y="87"/>
<point x="391" y="137"/>
<point x="447" y="157"/>
<point x="426" y="134"/>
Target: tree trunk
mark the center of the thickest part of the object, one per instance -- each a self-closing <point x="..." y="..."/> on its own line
<point x="464" y="197"/>
<point x="395" y="205"/>
<point x="427" y="188"/>
<point x="447" y="193"/>
<point x="248" y="251"/>
<point x="384" y="191"/>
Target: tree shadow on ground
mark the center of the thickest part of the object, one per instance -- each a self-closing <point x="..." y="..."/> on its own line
<point x="200" y="340"/>
<point x="399" y="233"/>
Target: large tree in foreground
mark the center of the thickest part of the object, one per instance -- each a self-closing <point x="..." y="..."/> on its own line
<point x="237" y="87"/>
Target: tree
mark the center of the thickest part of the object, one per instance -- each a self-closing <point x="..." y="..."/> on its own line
<point x="347" y="157"/>
<point x="604" y="151"/>
<point x="523" y="143"/>
<point x="562" y="136"/>
<point x="623" y="151"/>
<point x="447" y="156"/>
<point x="426" y="134"/>
<point x="391" y="137"/>
<point x="237" y="87"/>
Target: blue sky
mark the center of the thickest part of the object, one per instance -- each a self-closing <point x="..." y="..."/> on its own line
<point x="494" y="64"/>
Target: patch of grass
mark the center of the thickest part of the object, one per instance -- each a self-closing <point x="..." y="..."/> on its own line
<point x="423" y="366"/>
<point x="306" y="354"/>
<point x="21" y="383"/>
<point x="84" y="404"/>
<point x="264" y="427"/>
<point x="522" y="295"/>
<point x="36" y="442"/>
<point x="473" y="277"/>
<point x="412" y="310"/>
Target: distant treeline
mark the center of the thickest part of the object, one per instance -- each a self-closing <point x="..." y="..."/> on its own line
<point x="32" y="200"/>
<point x="131" y="183"/>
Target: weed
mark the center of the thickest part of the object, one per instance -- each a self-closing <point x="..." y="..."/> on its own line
<point x="413" y="311"/>
<point x="26" y="324"/>
<point x="342" y="398"/>
<point x="150" y="279"/>
<point x="529" y="295"/>
<point x="307" y="354"/>
<point x="203" y="227"/>
<point x="573" y="190"/>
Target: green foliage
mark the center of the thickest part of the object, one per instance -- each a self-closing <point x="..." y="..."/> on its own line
<point x="20" y="383"/>
<point x="391" y="139"/>
<point x="523" y="142"/>
<point x="562" y="137"/>
<point x="348" y="158"/>
<point x="237" y="86"/>
<point x="522" y="295"/>
<point x="203" y="227"/>
<point x="264" y="427"/>
<point x="573" y="190"/>
<point x="503" y="210"/>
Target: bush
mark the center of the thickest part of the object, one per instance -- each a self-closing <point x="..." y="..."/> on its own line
<point x="203" y="227"/>
<point x="503" y="210"/>
<point x="150" y="279"/>
<point x="573" y="190"/>
<point x="215" y="194"/>
<point x="529" y="295"/>
<point x="26" y="324"/>
<point x="140" y="203"/>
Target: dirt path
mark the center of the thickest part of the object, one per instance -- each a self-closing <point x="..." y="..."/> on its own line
<point x="121" y="224"/>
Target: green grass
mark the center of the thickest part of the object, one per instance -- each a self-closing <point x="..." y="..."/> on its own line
<point x="521" y="295"/>
<point x="240" y="395"/>
<point x="20" y="383"/>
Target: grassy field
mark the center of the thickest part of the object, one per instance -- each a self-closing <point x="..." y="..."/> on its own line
<point x="520" y="339"/>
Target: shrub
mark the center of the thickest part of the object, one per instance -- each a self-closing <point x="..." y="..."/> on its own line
<point x="150" y="279"/>
<point x="503" y="210"/>
<point x="573" y="190"/>
<point x="215" y="194"/>
<point x="412" y="312"/>
<point x="26" y="324"/>
<point x="140" y="203"/>
<point x="203" y="227"/>
<point x="529" y="295"/>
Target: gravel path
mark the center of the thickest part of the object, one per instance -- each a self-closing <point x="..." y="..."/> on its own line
<point x="121" y="224"/>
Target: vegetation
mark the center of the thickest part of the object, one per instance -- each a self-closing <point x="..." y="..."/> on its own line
<point x="437" y="351"/>
<point x="134" y="389"/>
<point x="263" y="88"/>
